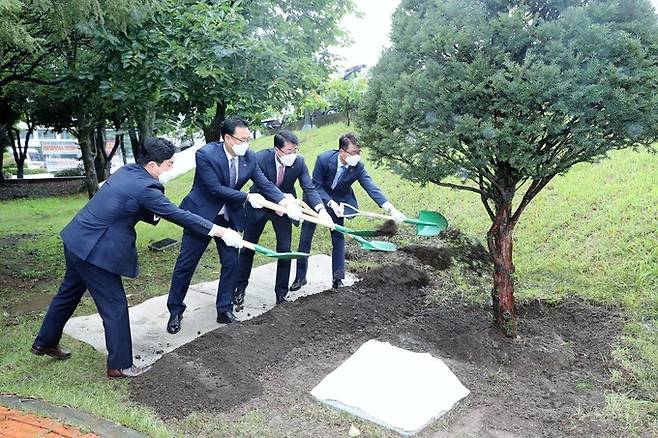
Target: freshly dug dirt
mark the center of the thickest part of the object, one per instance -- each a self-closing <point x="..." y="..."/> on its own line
<point x="388" y="228"/>
<point x="544" y="383"/>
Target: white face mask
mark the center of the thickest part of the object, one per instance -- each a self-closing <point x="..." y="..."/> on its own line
<point x="287" y="160"/>
<point x="352" y="160"/>
<point x="240" y="149"/>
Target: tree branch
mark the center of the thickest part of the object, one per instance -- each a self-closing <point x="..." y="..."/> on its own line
<point x="459" y="187"/>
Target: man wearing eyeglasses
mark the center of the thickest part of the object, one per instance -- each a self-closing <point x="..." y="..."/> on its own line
<point x="334" y="173"/>
<point x="284" y="167"/>
<point x="222" y="169"/>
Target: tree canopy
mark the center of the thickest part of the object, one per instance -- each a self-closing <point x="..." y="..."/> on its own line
<point x="509" y="94"/>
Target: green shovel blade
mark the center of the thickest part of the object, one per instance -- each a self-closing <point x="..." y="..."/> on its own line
<point x="429" y="223"/>
<point x="374" y="245"/>
<point x="279" y="255"/>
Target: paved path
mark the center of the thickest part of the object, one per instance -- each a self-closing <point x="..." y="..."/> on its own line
<point x="148" y="320"/>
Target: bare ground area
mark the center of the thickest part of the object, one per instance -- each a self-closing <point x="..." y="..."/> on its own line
<point x="551" y="381"/>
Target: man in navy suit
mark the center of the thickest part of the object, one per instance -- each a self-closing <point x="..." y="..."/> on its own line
<point x="283" y="167"/>
<point x="333" y="176"/>
<point x="99" y="247"/>
<point x="222" y="168"/>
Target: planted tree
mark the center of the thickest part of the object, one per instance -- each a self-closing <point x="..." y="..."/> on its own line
<point x="510" y="94"/>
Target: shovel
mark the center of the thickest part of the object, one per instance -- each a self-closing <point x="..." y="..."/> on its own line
<point x="429" y="223"/>
<point x="369" y="245"/>
<point x="311" y="216"/>
<point x="271" y="253"/>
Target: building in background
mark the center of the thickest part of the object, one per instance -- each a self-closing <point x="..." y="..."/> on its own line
<point x="58" y="151"/>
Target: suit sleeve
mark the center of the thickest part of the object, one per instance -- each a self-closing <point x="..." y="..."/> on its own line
<point x="265" y="186"/>
<point x="208" y="177"/>
<point x="371" y="188"/>
<point x="154" y="200"/>
<point x="311" y="195"/>
<point x="318" y="176"/>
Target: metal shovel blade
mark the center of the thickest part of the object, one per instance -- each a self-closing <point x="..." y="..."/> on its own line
<point x="429" y="223"/>
<point x="374" y="245"/>
<point x="279" y="255"/>
<point x="378" y="245"/>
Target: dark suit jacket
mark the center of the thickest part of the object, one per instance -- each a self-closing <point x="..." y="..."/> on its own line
<point x="298" y="171"/>
<point x="325" y="171"/>
<point x="103" y="232"/>
<point x="211" y="188"/>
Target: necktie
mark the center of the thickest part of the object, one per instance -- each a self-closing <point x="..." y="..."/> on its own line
<point x="339" y="174"/>
<point x="281" y="171"/>
<point x="232" y="172"/>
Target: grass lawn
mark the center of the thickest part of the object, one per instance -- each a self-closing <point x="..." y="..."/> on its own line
<point x="591" y="233"/>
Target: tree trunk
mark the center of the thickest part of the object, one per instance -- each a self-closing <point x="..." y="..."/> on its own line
<point x="146" y="126"/>
<point x="110" y="156"/>
<point x="499" y="240"/>
<point x="135" y="145"/>
<point x="212" y="132"/>
<point x="308" y="121"/>
<point x="85" y="133"/>
<point x="20" y="151"/>
<point x="2" y="155"/>
<point x="101" y="159"/>
<point x="347" y="112"/>
<point x="123" y="149"/>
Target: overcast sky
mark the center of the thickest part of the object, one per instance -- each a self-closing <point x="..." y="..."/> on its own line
<point x="370" y="33"/>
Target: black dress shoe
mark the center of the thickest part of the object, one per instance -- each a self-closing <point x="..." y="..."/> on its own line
<point x="337" y="283"/>
<point x="297" y="284"/>
<point x="281" y="300"/>
<point x="238" y="297"/>
<point x="54" y="352"/>
<point x="173" y="326"/>
<point x="227" y="317"/>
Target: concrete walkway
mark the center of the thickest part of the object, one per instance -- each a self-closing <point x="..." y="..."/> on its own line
<point x="148" y="320"/>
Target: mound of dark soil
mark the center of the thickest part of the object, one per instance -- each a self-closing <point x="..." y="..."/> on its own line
<point x="541" y="384"/>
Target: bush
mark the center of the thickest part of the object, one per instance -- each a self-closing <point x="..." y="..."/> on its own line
<point x="74" y="171"/>
<point x="26" y="171"/>
<point x="8" y="161"/>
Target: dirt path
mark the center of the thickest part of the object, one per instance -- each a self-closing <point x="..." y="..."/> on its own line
<point x="546" y="383"/>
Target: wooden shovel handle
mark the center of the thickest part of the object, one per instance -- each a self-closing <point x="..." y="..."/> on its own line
<point x="306" y="217"/>
<point x="366" y="213"/>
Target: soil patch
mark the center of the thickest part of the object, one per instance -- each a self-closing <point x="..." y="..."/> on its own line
<point x="541" y="384"/>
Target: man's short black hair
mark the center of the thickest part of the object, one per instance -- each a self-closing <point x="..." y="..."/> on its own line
<point x="229" y="125"/>
<point x="156" y="149"/>
<point x="345" y="140"/>
<point x="280" y="139"/>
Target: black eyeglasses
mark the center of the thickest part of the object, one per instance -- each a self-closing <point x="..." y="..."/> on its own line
<point x="240" y="139"/>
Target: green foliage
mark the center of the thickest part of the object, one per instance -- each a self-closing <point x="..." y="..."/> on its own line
<point x="74" y="171"/>
<point x="26" y="171"/>
<point x="346" y="94"/>
<point x="509" y="93"/>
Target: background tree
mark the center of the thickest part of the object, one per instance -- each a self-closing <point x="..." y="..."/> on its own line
<point x="511" y="94"/>
<point x="61" y="47"/>
<point x="274" y="56"/>
<point x="346" y="94"/>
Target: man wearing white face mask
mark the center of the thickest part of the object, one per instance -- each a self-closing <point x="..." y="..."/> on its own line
<point x="222" y="169"/>
<point x="284" y="167"/>
<point x="333" y="176"/>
